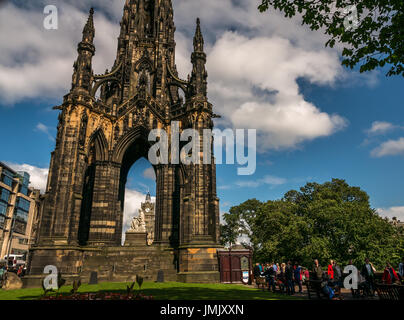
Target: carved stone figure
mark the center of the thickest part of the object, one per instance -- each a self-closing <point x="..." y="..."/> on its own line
<point x="138" y="223"/>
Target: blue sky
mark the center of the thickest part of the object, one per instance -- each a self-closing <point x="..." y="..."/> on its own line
<point x="315" y="120"/>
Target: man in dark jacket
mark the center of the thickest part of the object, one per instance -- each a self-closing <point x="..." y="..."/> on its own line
<point x="257" y="271"/>
<point x="317" y="273"/>
<point x="290" y="287"/>
<point x="270" y="274"/>
<point x="368" y="272"/>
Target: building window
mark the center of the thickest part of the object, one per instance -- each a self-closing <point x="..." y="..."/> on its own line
<point x="19" y="226"/>
<point x="24" y="178"/>
<point x="3" y="208"/>
<point x="24" y="190"/>
<point x="23" y="204"/>
<point x="5" y="195"/>
<point x="2" y="221"/>
<point x="22" y="241"/>
<point x="7" y="177"/>
<point x="21" y="215"/>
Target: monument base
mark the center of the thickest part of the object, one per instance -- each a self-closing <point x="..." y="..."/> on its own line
<point x="135" y="238"/>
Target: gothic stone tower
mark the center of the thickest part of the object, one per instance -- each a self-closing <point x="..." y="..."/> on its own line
<point x="103" y="129"/>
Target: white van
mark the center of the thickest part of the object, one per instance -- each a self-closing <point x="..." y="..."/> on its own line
<point x="15" y="259"/>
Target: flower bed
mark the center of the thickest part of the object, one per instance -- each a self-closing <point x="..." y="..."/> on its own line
<point x="98" y="296"/>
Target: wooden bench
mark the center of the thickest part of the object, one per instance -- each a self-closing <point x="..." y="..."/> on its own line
<point x="314" y="289"/>
<point x="390" y="291"/>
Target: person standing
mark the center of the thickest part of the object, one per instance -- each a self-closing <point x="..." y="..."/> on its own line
<point x="330" y="270"/>
<point x="281" y="277"/>
<point x="337" y="278"/>
<point x="290" y="288"/>
<point x="389" y="276"/>
<point x="270" y="277"/>
<point x="401" y="269"/>
<point x="368" y="271"/>
<point x="306" y="274"/>
<point x="317" y="271"/>
<point x="19" y="271"/>
<point x="2" y="272"/>
<point x="257" y="271"/>
<point x="298" y="275"/>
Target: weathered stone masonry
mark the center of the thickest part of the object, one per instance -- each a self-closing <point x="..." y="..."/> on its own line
<point x="103" y="127"/>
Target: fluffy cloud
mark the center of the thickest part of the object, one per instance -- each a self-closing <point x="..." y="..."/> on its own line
<point x="389" y="148"/>
<point x="38" y="176"/>
<point x="391" y="212"/>
<point x="36" y="62"/>
<point x="149" y="173"/>
<point x="271" y="65"/>
<point x="381" y="127"/>
<point x="38" y="180"/>
<point x="266" y="180"/>
<point x="254" y="61"/>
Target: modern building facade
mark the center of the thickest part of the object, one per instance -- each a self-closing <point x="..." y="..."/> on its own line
<point x="19" y="209"/>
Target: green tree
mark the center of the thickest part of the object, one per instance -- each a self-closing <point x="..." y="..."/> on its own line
<point x="372" y="32"/>
<point x="238" y="221"/>
<point x="325" y="221"/>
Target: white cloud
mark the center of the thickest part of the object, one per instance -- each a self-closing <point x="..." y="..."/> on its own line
<point x="389" y="148"/>
<point x="252" y="71"/>
<point x="266" y="180"/>
<point x="38" y="176"/>
<point x="36" y="62"/>
<point x="149" y="173"/>
<point x="43" y="128"/>
<point x="281" y="115"/>
<point x="38" y="180"/>
<point x="381" y="127"/>
<point x="391" y="212"/>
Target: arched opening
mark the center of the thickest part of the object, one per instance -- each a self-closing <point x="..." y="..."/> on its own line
<point x="140" y="182"/>
<point x="137" y="179"/>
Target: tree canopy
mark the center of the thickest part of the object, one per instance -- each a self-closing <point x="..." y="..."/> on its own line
<point x="324" y="221"/>
<point x="372" y="32"/>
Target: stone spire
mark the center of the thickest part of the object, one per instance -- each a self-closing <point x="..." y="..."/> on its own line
<point x="83" y="73"/>
<point x="89" y="31"/>
<point x="198" y="38"/>
<point x="198" y="59"/>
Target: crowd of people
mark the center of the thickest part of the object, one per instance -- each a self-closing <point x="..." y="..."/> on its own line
<point x="289" y="277"/>
<point x="4" y="268"/>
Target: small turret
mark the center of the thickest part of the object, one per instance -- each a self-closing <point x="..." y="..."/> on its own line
<point x="148" y="197"/>
<point x="198" y="59"/>
<point x="83" y="73"/>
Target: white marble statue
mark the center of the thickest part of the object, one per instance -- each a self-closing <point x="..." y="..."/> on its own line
<point x="138" y="223"/>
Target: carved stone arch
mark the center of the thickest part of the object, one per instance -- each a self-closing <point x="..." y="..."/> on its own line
<point x="101" y="82"/>
<point x="144" y="63"/>
<point x="179" y="86"/>
<point x="124" y="142"/>
<point x="100" y="144"/>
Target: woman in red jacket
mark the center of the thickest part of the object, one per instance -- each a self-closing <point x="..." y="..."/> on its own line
<point x="330" y="270"/>
<point x="389" y="276"/>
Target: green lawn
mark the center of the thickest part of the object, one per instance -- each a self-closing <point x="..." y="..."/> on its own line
<point x="163" y="291"/>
